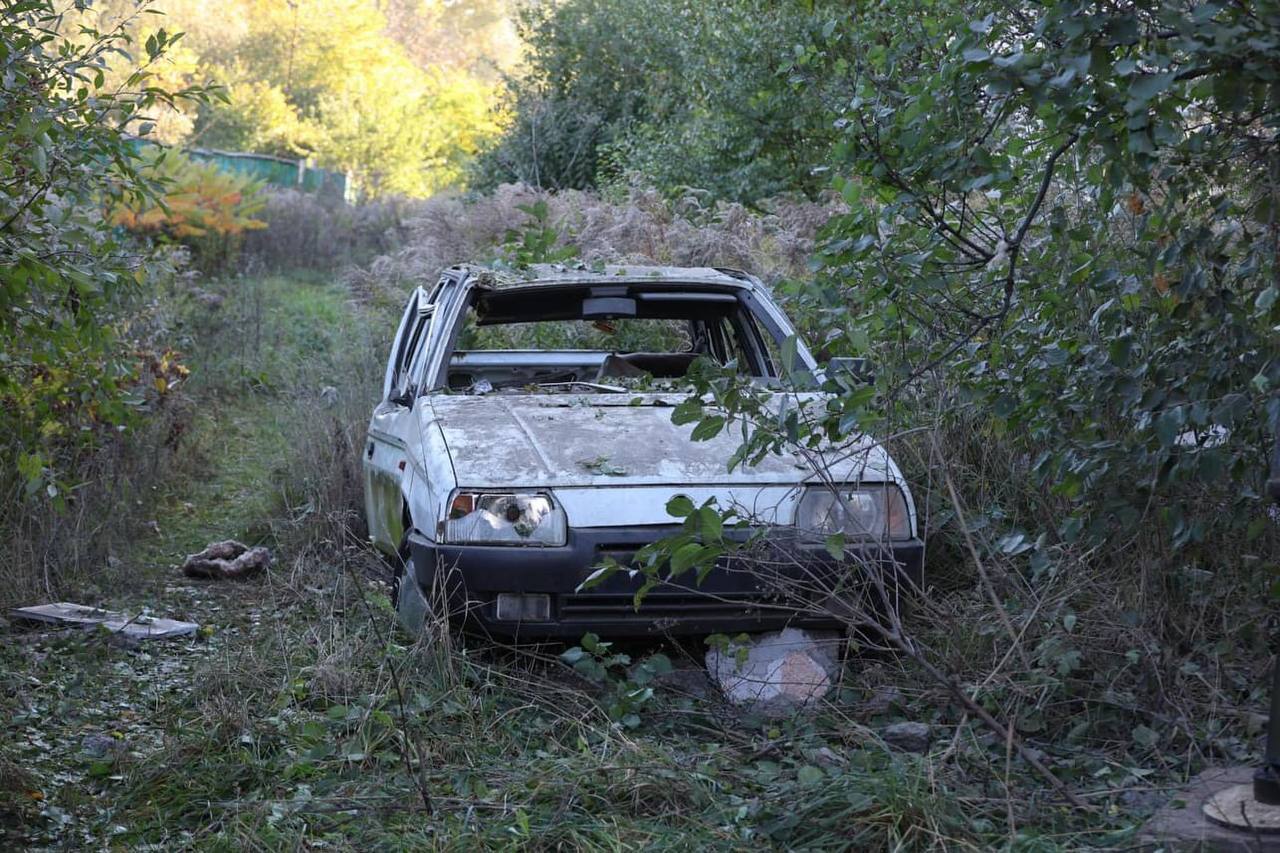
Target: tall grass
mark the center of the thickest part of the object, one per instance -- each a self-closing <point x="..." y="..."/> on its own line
<point x="640" y="226"/>
<point x="1139" y="655"/>
<point x="69" y="537"/>
<point x="306" y="232"/>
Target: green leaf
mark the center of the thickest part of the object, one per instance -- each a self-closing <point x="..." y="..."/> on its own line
<point x="685" y="557"/>
<point x="808" y="775"/>
<point x="1145" y="737"/>
<point x="789" y="355"/>
<point x="688" y="411"/>
<point x="710" y="524"/>
<point x="1146" y="86"/>
<point x="1168" y="426"/>
<point x="1266" y="299"/>
<point x="708" y="428"/>
<point x="680" y="506"/>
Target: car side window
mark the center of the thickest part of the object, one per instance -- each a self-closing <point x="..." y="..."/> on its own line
<point x="409" y="360"/>
<point x="420" y="352"/>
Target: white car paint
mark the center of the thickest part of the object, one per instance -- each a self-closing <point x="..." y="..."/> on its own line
<point x="421" y="449"/>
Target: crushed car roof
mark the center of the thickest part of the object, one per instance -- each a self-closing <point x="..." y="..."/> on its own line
<point x="580" y="274"/>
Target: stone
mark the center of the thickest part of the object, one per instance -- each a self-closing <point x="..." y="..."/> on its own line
<point x="907" y="737"/>
<point x="883" y="701"/>
<point x="101" y="746"/>
<point x="825" y="756"/>
<point x="779" y="672"/>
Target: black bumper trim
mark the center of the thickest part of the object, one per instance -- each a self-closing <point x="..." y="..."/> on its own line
<point x="738" y="595"/>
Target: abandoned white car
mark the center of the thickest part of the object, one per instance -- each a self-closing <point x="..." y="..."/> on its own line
<point x="525" y="436"/>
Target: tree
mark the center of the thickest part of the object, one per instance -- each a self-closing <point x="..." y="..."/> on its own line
<point x="65" y="276"/>
<point x="680" y="93"/>
<point x="1064" y="220"/>
<point x="323" y="79"/>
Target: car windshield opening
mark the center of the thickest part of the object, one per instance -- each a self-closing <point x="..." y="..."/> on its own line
<point x="599" y="340"/>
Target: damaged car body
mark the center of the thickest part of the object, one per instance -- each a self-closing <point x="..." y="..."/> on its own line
<point x="525" y="437"/>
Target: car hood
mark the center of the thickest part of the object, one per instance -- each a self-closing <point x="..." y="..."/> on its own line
<point x="610" y="440"/>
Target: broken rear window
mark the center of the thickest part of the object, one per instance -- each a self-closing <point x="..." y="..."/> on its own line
<point x="561" y="339"/>
<point x="623" y="334"/>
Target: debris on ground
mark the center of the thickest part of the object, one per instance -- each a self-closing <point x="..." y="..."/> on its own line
<point x="779" y="672"/>
<point x="138" y="627"/>
<point x="227" y="559"/>
<point x="908" y="737"/>
<point x="601" y="465"/>
<point x="102" y="746"/>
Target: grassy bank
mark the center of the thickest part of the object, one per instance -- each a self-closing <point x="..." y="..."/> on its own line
<point x="299" y="718"/>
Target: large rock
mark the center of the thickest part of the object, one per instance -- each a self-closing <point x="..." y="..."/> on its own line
<point x="908" y="737"/>
<point x="779" y="672"/>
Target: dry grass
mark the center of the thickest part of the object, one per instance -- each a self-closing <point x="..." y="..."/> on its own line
<point x="309" y="233"/>
<point x="643" y="226"/>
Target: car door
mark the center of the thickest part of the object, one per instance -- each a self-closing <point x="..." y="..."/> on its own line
<point x="393" y="432"/>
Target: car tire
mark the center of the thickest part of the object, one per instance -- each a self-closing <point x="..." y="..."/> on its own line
<point x="412" y="609"/>
<point x="417" y="613"/>
<point x="396" y="564"/>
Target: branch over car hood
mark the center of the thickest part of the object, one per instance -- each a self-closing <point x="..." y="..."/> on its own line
<point x="503" y="440"/>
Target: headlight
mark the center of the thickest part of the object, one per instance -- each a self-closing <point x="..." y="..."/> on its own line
<point x="504" y="518"/>
<point x="867" y="511"/>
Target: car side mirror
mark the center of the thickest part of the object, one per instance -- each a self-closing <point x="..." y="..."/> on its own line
<point x="860" y="370"/>
<point x="404" y="398"/>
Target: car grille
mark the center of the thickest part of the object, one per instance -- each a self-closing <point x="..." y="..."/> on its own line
<point x="668" y="606"/>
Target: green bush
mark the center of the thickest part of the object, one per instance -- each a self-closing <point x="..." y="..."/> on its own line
<point x="78" y="353"/>
<point x="685" y="94"/>
<point x="66" y="278"/>
<point x="1068" y="222"/>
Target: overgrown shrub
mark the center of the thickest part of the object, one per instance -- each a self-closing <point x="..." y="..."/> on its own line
<point x="80" y="353"/>
<point x="683" y="94"/>
<point x="200" y="206"/>
<point x="305" y="231"/>
<point x="62" y="525"/>
<point x="1060" y="250"/>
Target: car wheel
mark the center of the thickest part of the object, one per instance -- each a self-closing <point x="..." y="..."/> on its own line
<point x="418" y="612"/>
<point x="397" y="572"/>
<point x="412" y="608"/>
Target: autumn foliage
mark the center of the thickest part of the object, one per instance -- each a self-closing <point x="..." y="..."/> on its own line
<point x="200" y="206"/>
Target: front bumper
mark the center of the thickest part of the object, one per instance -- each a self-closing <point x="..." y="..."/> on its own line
<point x="783" y="584"/>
